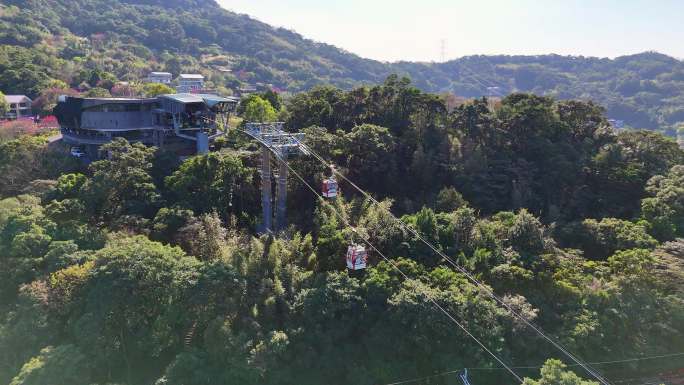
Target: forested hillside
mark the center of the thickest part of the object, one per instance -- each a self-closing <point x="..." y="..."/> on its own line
<point x="93" y="43"/>
<point x="140" y="270"/>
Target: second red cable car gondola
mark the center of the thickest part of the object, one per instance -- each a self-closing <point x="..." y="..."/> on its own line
<point x="357" y="257"/>
<point x="330" y="187"/>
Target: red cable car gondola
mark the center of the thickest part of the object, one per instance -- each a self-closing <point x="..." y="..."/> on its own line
<point x="330" y="187"/>
<point x="357" y="257"/>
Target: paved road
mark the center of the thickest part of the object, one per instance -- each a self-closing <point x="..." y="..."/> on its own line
<point x="54" y="138"/>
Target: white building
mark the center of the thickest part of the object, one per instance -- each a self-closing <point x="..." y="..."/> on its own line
<point x="19" y="105"/>
<point x="160" y="77"/>
<point x="189" y="83"/>
<point x="616" y="124"/>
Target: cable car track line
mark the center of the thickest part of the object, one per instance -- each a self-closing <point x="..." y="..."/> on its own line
<point x="539" y="367"/>
<point x="396" y="267"/>
<point x="593" y="372"/>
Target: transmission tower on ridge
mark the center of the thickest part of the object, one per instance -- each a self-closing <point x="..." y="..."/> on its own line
<point x="278" y="145"/>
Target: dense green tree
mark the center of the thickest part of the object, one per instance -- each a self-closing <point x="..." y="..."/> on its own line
<point x="98" y="92"/>
<point x="24" y="70"/>
<point x="315" y="108"/>
<point x="628" y="164"/>
<point x="368" y="150"/>
<point x="664" y="209"/>
<point x="28" y="158"/>
<point x="384" y="231"/>
<point x="59" y="365"/>
<point x="168" y="221"/>
<point x="130" y="312"/>
<point x="154" y="89"/>
<point x="601" y="239"/>
<point x="200" y="368"/>
<point x="203" y="237"/>
<point x="526" y="235"/>
<point x="121" y="184"/>
<point x="4" y="106"/>
<point x="331" y="245"/>
<point x="554" y="372"/>
<point x="25" y="238"/>
<point x="68" y="186"/>
<point x="259" y="110"/>
<point x="449" y="200"/>
<point x="216" y="181"/>
<point x="460" y="232"/>
<point x="274" y="98"/>
<point x="25" y="329"/>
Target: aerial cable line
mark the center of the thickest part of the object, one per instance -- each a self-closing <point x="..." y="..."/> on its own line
<point x="465" y="272"/>
<point x="425" y="378"/>
<point x="539" y="367"/>
<point x="480" y="80"/>
<point x="396" y="267"/>
<point x="468" y="275"/>
<point x="491" y="66"/>
<point x="477" y="283"/>
<point x="489" y="88"/>
<point x="474" y="74"/>
<point x="638" y="359"/>
<point x="600" y="362"/>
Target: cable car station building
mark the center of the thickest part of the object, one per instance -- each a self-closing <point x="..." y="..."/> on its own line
<point x="187" y="122"/>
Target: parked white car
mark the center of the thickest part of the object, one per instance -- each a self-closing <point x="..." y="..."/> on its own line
<point x="77" y="152"/>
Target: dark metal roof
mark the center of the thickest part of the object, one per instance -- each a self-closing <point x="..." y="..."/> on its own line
<point x="183" y="98"/>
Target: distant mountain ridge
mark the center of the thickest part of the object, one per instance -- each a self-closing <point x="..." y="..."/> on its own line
<point x="128" y="38"/>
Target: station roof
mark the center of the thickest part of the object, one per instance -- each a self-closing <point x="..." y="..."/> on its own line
<point x="211" y="100"/>
<point x="183" y="98"/>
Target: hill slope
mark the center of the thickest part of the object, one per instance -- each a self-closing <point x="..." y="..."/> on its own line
<point x="68" y="39"/>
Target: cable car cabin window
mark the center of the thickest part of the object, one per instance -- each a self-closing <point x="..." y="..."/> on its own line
<point x="330" y="188"/>
<point x="357" y="257"/>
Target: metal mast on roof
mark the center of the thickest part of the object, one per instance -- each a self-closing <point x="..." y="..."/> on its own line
<point x="274" y="141"/>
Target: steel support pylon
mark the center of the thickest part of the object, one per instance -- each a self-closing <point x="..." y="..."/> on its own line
<point x="275" y="140"/>
<point x="281" y="194"/>
<point x="266" y="195"/>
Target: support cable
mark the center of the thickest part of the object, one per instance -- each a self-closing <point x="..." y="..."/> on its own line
<point x="593" y="372"/>
<point x="396" y="267"/>
<point x="480" y="81"/>
<point x="539" y="367"/>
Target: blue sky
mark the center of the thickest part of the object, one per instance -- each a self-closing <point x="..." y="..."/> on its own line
<point x="413" y="30"/>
